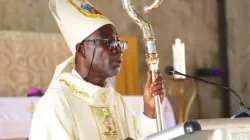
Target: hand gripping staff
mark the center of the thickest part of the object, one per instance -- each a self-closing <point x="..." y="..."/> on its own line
<point x="151" y="55"/>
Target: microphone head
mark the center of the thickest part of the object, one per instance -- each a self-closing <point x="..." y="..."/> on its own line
<point x="169" y="70"/>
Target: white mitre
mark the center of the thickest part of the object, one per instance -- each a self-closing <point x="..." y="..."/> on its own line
<point x="76" y="19"/>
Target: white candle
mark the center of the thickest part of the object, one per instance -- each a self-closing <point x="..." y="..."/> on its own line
<point x="179" y="58"/>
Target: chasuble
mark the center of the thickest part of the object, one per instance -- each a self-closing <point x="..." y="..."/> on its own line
<point x="73" y="109"/>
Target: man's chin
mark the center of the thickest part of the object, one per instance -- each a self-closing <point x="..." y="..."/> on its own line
<point x="114" y="72"/>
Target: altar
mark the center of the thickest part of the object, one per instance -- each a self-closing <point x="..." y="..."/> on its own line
<point x="16" y="114"/>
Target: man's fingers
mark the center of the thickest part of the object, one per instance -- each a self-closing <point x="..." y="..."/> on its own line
<point x="158" y="74"/>
<point x="157" y="80"/>
<point x="157" y="90"/>
<point x="157" y="87"/>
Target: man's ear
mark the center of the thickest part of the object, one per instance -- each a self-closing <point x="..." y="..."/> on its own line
<point x="80" y="50"/>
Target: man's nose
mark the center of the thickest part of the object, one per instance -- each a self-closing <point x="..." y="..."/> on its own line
<point x="117" y="49"/>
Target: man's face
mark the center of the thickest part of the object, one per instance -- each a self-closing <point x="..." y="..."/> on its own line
<point x="106" y="62"/>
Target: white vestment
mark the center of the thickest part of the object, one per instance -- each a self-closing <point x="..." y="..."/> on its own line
<point x="73" y="109"/>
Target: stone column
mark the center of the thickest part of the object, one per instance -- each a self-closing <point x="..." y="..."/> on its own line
<point x="238" y="19"/>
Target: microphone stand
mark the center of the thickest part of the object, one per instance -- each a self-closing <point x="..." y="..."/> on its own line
<point x="242" y="106"/>
<point x="180" y="83"/>
<point x="243" y="112"/>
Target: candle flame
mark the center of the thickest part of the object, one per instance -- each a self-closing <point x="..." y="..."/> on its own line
<point x="177" y="41"/>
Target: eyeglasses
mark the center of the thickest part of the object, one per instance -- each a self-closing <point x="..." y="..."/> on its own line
<point x="111" y="43"/>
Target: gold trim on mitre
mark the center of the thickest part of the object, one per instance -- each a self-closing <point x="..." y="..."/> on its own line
<point x="86" y="9"/>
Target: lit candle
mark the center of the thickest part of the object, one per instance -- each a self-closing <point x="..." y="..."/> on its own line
<point x="179" y="58"/>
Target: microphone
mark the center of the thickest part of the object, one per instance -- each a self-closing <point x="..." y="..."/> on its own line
<point x="169" y="70"/>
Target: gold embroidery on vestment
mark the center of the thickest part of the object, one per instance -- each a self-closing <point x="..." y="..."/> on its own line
<point x="73" y="89"/>
<point x="103" y="98"/>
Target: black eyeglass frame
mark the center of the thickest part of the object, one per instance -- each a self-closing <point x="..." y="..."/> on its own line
<point x="109" y="42"/>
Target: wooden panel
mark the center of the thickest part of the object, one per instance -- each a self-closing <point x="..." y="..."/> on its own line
<point x="128" y="81"/>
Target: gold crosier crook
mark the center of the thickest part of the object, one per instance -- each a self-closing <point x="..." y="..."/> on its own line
<point x="152" y="58"/>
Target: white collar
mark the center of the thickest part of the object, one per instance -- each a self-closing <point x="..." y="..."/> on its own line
<point x="89" y="93"/>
